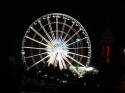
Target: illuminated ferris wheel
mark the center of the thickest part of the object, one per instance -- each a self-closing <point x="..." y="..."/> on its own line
<point x="57" y="40"/>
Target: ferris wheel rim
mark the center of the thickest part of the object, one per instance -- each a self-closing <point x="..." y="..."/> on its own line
<point x="23" y="55"/>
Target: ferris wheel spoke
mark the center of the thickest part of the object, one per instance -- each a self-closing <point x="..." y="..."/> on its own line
<point x="63" y="62"/>
<point x="70" y="64"/>
<point x="57" y="36"/>
<point x="52" y="59"/>
<point x="75" y="60"/>
<point x="78" y="48"/>
<point x="45" y="30"/>
<point x="69" y="31"/>
<point x="78" y="55"/>
<point x="36" y="55"/>
<point x="35" y="48"/>
<point x="39" y="35"/>
<point x="35" y="41"/>
<point x="53" y="37"/>
<point x="76" y="41"/>
<point x="60" y="65"/>
<point x="72" y="36"/>
<point x="37" y="62"/>
<point x="63" y="28"/>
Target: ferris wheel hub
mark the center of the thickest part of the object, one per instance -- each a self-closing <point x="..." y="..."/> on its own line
<point x="59" y="48"/>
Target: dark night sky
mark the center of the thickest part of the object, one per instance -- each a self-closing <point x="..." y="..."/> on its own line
<point x="95" y="17"/>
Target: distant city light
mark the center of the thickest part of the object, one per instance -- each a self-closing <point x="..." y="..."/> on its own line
<point x="124" y="51"/>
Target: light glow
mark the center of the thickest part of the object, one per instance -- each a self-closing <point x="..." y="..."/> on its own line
<point x="58" y="48"/>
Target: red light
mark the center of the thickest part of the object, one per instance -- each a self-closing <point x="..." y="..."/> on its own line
<point x="108" y="54"/>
